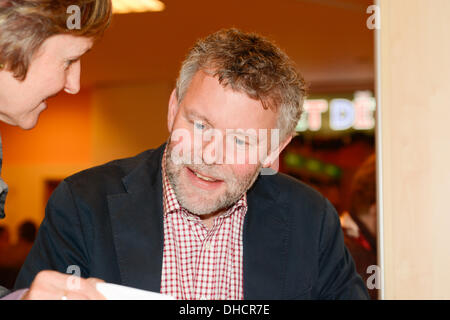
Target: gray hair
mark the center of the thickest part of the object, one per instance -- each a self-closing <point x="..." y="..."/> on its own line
<point x="252" y="64"/>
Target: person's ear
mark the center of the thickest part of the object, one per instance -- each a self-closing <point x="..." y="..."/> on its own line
<point x="269" y="161"/>
<point x="173" y="110"/>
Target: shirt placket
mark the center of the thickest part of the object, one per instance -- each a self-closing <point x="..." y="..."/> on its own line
<point x="235" y="273"/>
<point x="207" y="262"/>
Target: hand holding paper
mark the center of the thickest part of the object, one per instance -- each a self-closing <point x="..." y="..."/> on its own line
<point x="117" y="292"/>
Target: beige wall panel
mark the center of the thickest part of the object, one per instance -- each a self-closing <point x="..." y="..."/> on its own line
<point x="415" y="142"/>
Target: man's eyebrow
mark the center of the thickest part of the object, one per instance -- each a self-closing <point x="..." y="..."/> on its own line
<point x="194" y="114"/>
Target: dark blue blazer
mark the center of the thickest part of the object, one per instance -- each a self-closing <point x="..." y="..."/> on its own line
<point x="108" y="221"/>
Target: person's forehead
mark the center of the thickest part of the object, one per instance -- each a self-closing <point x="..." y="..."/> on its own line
<point x="208" y="100"/>
<point x="66" y="45"/>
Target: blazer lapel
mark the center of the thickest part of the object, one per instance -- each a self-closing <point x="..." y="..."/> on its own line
<point x="137" y="224"/>
<point x="266" y="232"/>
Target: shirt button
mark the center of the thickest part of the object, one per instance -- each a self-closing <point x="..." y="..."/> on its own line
<point x="208" y="246"/>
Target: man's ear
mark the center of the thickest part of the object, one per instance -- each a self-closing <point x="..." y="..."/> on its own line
<point x="269" y="161"/>
<point x="173" y="109"/>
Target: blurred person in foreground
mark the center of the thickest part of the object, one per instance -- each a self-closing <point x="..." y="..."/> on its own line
<point x="39" y="57"/>
<point x="360" y="222"/>
<point x="189" y="219"/>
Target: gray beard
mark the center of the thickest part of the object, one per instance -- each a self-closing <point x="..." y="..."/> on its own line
<point x="235" y="189"/>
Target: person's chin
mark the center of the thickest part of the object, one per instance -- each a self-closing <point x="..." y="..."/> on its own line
<point x="29" y="123"/>
<point x="198" y="207"/>
<point x="197" y="200"/>
<point x="31" y="120"/>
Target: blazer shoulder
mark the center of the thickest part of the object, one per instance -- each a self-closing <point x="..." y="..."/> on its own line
<point x="293" y="190"/>
<point x="302" y="203"/>
<point x="108" y="176"/>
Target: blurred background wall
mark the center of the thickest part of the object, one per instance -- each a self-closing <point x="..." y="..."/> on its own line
<point x="128" y="77"/>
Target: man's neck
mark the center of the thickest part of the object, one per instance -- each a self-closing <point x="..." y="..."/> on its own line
<point x="208" y="219"/>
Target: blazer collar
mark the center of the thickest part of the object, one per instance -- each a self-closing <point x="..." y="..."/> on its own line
<point x="266" y="235"/>
<point x="137" y="225"/>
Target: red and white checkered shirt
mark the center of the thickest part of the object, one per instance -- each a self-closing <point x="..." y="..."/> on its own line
<point x="199" y="263"/>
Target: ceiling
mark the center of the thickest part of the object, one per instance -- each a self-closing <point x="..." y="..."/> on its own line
<point x="328" y="39"/>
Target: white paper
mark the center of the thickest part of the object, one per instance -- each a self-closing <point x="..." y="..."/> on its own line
<point x="117" y="292"/>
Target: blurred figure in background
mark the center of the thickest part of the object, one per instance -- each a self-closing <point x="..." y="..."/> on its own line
<point x="27" y="231"/>
<point x="360" y="223"/>
<point x="5" y="274"/>
<point x="27" y="234"/>
<point x="4" y="238"/>
<point x="13" y="256"/>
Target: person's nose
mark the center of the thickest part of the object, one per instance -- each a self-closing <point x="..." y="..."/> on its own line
<point x="72" y="85"/>
<point x="212" y="151"/>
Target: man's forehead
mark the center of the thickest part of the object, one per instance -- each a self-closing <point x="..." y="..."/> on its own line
<point x="222" y="107"/>
<point x="255" y="134"/>
<point x="226" y="123"/>
<point x="192" y="112"/>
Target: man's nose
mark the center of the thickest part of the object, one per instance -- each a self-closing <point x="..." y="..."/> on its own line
<point x="212" y="150"/>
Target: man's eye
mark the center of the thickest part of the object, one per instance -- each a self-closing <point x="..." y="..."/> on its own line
<point x="199" y="125"/>
<point x="240" y="142"/>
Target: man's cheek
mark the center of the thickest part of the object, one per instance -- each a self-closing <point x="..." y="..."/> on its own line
<point x="241" y="171"/>
<point x="181" y="143"/>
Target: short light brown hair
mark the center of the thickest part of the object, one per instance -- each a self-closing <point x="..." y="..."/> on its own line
<point x="249" y="63"/>
<point x="26" y="24"/>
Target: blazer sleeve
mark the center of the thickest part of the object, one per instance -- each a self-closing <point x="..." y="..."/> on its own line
<point x="338" y="278"/>
<point x="60" y="242"/>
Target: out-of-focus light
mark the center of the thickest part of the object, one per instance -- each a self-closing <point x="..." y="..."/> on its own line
<point x="128" y="6"/>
